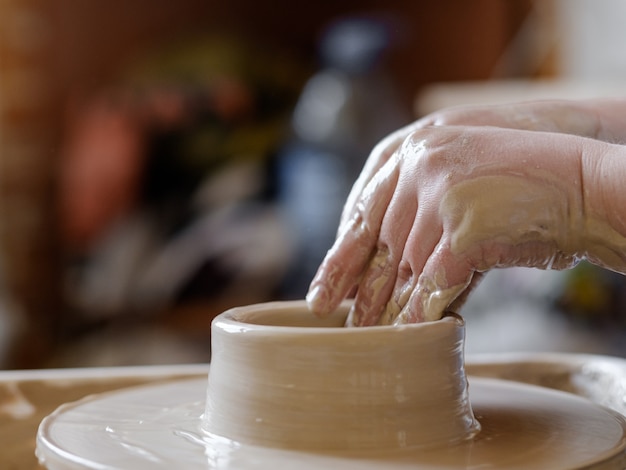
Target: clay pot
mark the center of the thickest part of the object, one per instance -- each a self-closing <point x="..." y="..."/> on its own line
<point x="281" y="377"/>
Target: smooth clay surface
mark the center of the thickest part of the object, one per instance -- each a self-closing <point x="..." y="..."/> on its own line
<point x="288" y="390"/>
<point x="160" y="427"/>
<point x="281" y="377"/>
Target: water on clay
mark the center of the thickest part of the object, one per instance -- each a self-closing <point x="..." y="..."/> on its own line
<point x="170" y="425"/>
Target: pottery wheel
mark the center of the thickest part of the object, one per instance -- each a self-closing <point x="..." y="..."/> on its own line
<point x="158" y="426"/>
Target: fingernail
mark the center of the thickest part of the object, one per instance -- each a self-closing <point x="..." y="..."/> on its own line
<point x="316" y="299"/>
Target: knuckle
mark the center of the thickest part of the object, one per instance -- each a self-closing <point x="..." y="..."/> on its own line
<point x="442" y="148"/>
<point x="382" y="248"/>
<point x="445" y="118"/>
<point x="405" y="271"/>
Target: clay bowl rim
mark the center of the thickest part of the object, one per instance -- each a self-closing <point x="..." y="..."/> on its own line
<point x="235" y="320"/>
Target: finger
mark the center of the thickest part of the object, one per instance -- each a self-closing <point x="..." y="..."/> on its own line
<point x="404" y="285"/>
<point x="422" y="240"/>
<point x="444" y="278"/>
<point x="377" y="283"/>
<point x="346" y="260"/>
<point x="379" y="156"/>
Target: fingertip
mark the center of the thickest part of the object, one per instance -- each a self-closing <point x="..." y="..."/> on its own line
<point x="317" y="300"/>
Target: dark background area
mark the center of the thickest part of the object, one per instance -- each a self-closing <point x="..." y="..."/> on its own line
<point x="56" y="55"/>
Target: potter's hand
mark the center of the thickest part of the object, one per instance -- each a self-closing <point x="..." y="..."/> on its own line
<point x="444" y="204"/>
<point x="602" y="119"/>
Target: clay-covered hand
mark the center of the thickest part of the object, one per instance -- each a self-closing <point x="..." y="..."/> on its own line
<point x="436" y="206"/>
<point x="602" y="119"/>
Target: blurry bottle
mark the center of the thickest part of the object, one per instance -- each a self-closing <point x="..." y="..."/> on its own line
<point x="343" y="111"/>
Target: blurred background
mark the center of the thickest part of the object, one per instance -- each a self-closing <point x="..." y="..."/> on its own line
<point x="163" y="161"/>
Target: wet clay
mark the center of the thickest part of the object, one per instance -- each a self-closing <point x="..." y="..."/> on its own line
<point x="478" y="211"/>
<point x="546" y="230"/>
<point x="290" y="390"/>
<point x="281" y="377"/>
<point x="160" y="427"/>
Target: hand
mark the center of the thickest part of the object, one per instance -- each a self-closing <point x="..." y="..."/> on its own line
<point x="598" y="119"/>
<point x="434" y="207"/>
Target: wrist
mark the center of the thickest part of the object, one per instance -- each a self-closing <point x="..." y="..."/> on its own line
<point x="603" y="172"/>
